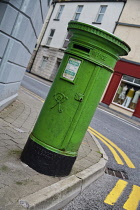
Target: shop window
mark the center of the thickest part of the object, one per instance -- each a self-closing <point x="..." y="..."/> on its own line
<point x="137" y="81"/>
<point x="128" y="78"/>
<point x="128" y="93"/>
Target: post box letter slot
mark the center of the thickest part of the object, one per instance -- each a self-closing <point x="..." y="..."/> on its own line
<point x="76" y="46"/>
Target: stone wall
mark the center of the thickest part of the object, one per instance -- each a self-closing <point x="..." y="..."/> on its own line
<point x="54" y="57"/>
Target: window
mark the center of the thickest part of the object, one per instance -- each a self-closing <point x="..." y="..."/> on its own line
<point x="55" y="70"/>
<point x="59" y="13"/>
<point x="78" y="12"/>
<point x="66" y="42"/>
<point x="128" y="93"/>
<point x="50" y="36"/>
<point x="131" y="79"/>
<point x="101" y="13"/>
<point x="44" y="61"/>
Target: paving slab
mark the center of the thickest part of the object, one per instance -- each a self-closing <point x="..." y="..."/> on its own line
<point x="22" y="187"/>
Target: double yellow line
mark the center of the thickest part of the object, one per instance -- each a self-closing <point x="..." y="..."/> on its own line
<point x="114" y="149"/>
<point x="133" y="199"/>
<point x="106" y="141"/>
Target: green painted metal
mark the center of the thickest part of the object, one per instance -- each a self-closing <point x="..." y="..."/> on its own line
<point x="83" y="74"/>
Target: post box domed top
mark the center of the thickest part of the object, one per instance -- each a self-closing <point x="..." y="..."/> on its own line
<point x="100" y="34"/>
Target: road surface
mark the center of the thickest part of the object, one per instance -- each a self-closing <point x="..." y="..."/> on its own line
<point x="120" y="139"/>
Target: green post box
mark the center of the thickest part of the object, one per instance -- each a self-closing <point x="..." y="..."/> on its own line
<point x="87" y="64"/>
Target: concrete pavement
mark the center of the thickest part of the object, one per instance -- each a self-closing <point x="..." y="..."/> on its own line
<point x="23" y="188"/>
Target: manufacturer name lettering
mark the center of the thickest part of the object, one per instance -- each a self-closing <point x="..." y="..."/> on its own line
<point x="99" y="55"/>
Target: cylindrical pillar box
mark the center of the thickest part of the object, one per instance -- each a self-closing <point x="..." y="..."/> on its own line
<point x="88" y="62"/>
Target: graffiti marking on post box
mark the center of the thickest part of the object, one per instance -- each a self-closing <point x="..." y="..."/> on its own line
<point x="71" y="69"/>
<point x="59" y="98"/>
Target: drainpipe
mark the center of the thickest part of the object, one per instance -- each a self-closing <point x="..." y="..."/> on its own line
<point x="119" y="17"/>
<point x="41" y="35"/>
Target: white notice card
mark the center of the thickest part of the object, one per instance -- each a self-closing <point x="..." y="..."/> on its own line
<point x="71" y="69"/>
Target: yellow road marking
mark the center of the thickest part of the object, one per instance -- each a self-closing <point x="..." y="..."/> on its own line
<point x="125" y="157"/>
<point x="116" y="192"/>
<point x="134" y="199"/>
<point x="116" y="156"/>
<point x="103" y="139"/>
<point x="33" y="94"/>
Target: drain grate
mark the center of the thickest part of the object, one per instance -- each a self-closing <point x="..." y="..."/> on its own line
<point x="119" y="174"/>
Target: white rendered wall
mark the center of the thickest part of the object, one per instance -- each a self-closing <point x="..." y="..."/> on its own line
<point x="88" y="15"/>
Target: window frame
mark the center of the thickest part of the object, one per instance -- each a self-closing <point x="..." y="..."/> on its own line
<point x="49" y="39"/>
<point x="78" y="12"/>
<point x="44" y="58"/>
<point x="59" y="12"/>
<point x="100" y="13"/>
<point x="67" y="39"/>
<point x="124" y="78"/>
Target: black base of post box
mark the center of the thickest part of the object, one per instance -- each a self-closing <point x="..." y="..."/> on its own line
<point x="45" y="161"/>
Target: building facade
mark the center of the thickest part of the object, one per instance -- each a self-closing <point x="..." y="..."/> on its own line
<point x="20" y="25"/>
<point x="123" y="92"/>
<point x="103" y="14"/>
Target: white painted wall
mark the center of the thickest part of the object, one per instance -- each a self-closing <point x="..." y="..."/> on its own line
<point x="88" y="15"/>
